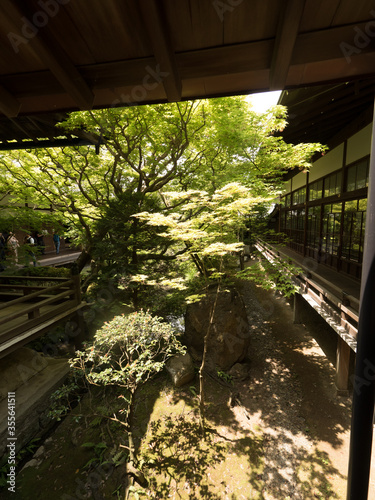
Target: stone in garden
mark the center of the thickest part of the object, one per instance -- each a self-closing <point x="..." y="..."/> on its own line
<point x="239" y="371"/>
<point x="181" y="369"/>
<point x="229" y="337"/>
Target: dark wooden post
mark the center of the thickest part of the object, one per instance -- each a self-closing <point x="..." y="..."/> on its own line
<point x="342" y="365"/>
<point x="77" y="283"/>
<point x="364" y="381"/>
<point x="77" y="323"/>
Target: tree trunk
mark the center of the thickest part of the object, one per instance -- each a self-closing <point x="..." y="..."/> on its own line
<point x="203" y="364"/>
<point x="83" y="260"/>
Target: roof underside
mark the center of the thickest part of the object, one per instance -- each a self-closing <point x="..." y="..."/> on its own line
<point x="64" y="55"/>
<point x="328" y="114"/>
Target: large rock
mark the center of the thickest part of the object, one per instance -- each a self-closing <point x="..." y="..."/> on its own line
<point x="181" y="369"/>
<point x="229" y="334"/>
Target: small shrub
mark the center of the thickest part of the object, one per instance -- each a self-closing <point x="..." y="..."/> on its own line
<point x="44" y="271"/>
<point x="66" y="397"/>
<point x="128" y="350"/>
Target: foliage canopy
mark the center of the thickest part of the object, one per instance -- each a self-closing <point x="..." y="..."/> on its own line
<point x="154" y="161"/>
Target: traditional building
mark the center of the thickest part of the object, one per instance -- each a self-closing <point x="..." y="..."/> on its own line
<point x="323" y="211"/>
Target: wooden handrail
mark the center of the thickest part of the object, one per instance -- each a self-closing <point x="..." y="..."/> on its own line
<point x="63" y="298"/>
<point x="36" y="306"/>
<point x="30" y="278"/>
<point x="22" y="335"/>
<point x="306" y="282"/>
<point x="33" y="295"/>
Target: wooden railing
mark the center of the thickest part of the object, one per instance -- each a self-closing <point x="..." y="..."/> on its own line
<point x="338" y="308"/>
<point x="27" y="309"/>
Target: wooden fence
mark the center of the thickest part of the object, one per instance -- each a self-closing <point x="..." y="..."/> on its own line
<point x="31" y="305"/>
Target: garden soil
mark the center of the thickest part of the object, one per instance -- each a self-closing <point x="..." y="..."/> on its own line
<point x="305" y="421"/>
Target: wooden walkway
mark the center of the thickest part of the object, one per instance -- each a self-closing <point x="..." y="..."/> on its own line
<point x="334" y="296"/>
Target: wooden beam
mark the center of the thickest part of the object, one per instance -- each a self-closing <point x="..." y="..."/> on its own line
<point x="9" y="105"/>
<point x="285" y="40"/>
<point x="45" y="143"/>
<point x="54" y="57"/>
<point x="156" y="27"/>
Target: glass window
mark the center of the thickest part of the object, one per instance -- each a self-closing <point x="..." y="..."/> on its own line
<point x="332" y="184"/>
<point x="297" y="225"/>
<point x="299" y="196"/>
<point x="357" y="175"/>
<point x="362" y="204"/>
<point x="288" y="220"/>
<point x="313" y="225"/>
<point x="351" y="206"/>
<point x="316" y="190"/>
<point x="350" y="183"/>
<point x="331" y="228"/>
<point x="354" y="230"/>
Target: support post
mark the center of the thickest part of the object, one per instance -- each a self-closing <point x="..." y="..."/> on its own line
<point x="342" y="365"/>
<point x="297" y="304"/>
<point x="77" y="282"/>
<point x="364" y="378"/>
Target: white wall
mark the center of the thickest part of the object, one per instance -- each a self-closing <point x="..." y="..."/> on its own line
<point x="288" y="186"/>
<point x="359" y="145"/>
<point x="299" y="180"/>
<point x="328" y="163"/>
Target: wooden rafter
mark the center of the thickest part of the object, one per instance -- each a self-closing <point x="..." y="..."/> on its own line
<point x="9" y="105"/>
<point x="155" y="22"/>
<point x="285" y="40"/>
<point x="54" y="57"/>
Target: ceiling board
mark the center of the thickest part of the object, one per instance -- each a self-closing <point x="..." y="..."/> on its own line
<point x="320" y="114"/>
<point x="100" y="54"/>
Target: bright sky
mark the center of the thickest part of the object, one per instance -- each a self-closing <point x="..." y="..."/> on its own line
<point x="263" y="100"/>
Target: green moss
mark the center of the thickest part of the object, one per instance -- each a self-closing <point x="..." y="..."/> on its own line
<point x="174" y="456"/>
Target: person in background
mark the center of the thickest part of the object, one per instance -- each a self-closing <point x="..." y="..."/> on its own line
<point x="56" y="241"/>
<point x="39" y="237"/>
<point x="29" y="243"/>
<point x="12" y="245"/>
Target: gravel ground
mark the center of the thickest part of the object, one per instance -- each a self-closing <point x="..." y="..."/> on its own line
<point x="293" y="401"/>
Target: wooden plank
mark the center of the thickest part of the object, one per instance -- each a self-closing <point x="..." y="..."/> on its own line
<point x="155" y="23"/>
<point x="38" y="305"/>
<point x="54" y="57"/>
<point x="342" y="365"/>
<point x="35" y="332"/>
<point x="32" y="278"/>
<point x="349" y="339"/>
<point x="33" y="295"/>
<point x="326" y="44"/>
<point x="9" y="105"/>
<point x="350" y="312"/>
<point x="111" y="30"/>
<point x="318" y="14"/>
<point x="286" y="37"/>
<point x="33" y="322"/>
<point x="244" y="21"/>
<point x="225" y="60"/>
